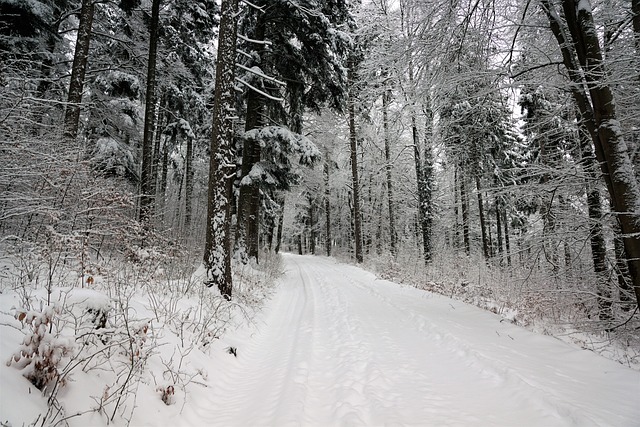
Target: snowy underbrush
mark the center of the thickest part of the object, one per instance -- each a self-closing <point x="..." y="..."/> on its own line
<point x="124" y="343"/>
<point x="565" y="308"/>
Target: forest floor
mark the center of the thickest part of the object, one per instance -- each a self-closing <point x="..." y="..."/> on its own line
<point x="337" y="346"/>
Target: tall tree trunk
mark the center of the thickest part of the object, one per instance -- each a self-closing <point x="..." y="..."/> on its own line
<point x="157" y="144"/>
<point x="163" y="177"/>
<point x="483" y="225"/>
<point x="596" y="234"/>
<point x="327" y="204"/>
<point x="386" y="99"/>
<point x="188" y="192"/>
<point x="280" y="225"/>
<point x="248" y="222"/>
<point x="507" y="243"/>
<point x="464" y="197"/>
<point x="422" y="190"/>
<point x="312" y="228"/>
<point x="78" y="70"/>
<point x="217" y="254"/>
<point x="353" y="144"/>
<point x="598" y="113"/>
<point x="146" y="175"/>
<point x="498" y="202"/>
<point x="456" y="208"/>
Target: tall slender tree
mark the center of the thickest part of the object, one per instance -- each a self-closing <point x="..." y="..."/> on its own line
<point x="78" y="70"/>
<point x="217" y="252"/>
<point x="147" y="181"/>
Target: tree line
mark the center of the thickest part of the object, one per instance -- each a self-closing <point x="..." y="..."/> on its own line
<point x="487" y="129"/>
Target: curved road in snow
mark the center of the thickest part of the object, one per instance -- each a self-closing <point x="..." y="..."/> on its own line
<point x="336" y="346"/>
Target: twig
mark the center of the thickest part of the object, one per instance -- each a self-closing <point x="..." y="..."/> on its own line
<point x="625" y="322"/>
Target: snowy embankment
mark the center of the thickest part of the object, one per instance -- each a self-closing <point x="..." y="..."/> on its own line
<point x="336" y="346"/>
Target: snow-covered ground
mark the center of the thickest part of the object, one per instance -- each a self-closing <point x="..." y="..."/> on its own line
<point x="336" y="346"/>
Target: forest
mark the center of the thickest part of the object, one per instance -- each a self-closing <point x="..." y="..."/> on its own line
<point x="486" y="150"/>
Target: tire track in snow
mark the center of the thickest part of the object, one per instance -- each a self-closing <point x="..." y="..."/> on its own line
<point x="338" y="347"/>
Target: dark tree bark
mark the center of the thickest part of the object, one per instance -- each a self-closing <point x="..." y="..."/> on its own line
<point x="483" y="224"/>
<point x="456" y="208"/>
<point x="312" y="227"/>
<point x="599" y="117"/>
<point x="327" y="205"/>
<point x="157" y="148"/>
<point x="248" y="222"/>
<point x="217" y="254"/>
<point x="78" y="70"/>
<point x="393" y="236"/>
<point x="498" y="203"/>
<point x="464" y="198"/>
<point x="146" y="175"/>
<point x="353" y="144"/>
<point x="421" y="188"/>
<point x="280" y="224"/>
<point x="188" y="190"/>
<point x="507" y="243"/>
<point x="163" y="176"/>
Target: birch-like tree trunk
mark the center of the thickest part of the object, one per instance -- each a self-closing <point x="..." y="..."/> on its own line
<point x="217" y="253"/>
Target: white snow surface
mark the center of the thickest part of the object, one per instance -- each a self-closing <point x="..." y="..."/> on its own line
<point x="337" y="346"/>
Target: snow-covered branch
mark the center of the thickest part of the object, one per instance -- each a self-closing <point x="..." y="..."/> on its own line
<point x="258" y="72"/>
<point x="255" y="6"/>
<point x="273" y="98"/>
<point x="247" y="39"/>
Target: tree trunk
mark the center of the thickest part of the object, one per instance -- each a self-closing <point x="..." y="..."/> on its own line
<point x="217" y="254"/>
<point x="163" y="177"/>
<point x="157" y="144"/>
<point x="312" y="228"/>
<point x="386" y="99"/>
<point x="483" y="226"/>
<point x="456" y="209"/>
<point x="280" y="224"/>
<point x="146" y="175"/>
<point x="353" y="144"/>
<point x="248" y="223"/>
<point x="507" y="245"/>
<point x="464" y="197"/>
<point x="498" y="203"/>
<point x="78" y="71"/>
<point x="188" y="192"/>
<point x="327" y="205"/>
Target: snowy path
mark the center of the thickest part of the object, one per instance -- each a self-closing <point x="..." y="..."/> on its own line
<point x="338" y="347"/>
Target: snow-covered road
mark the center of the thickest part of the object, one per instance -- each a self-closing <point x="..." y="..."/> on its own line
<point x="336" y="346"/>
